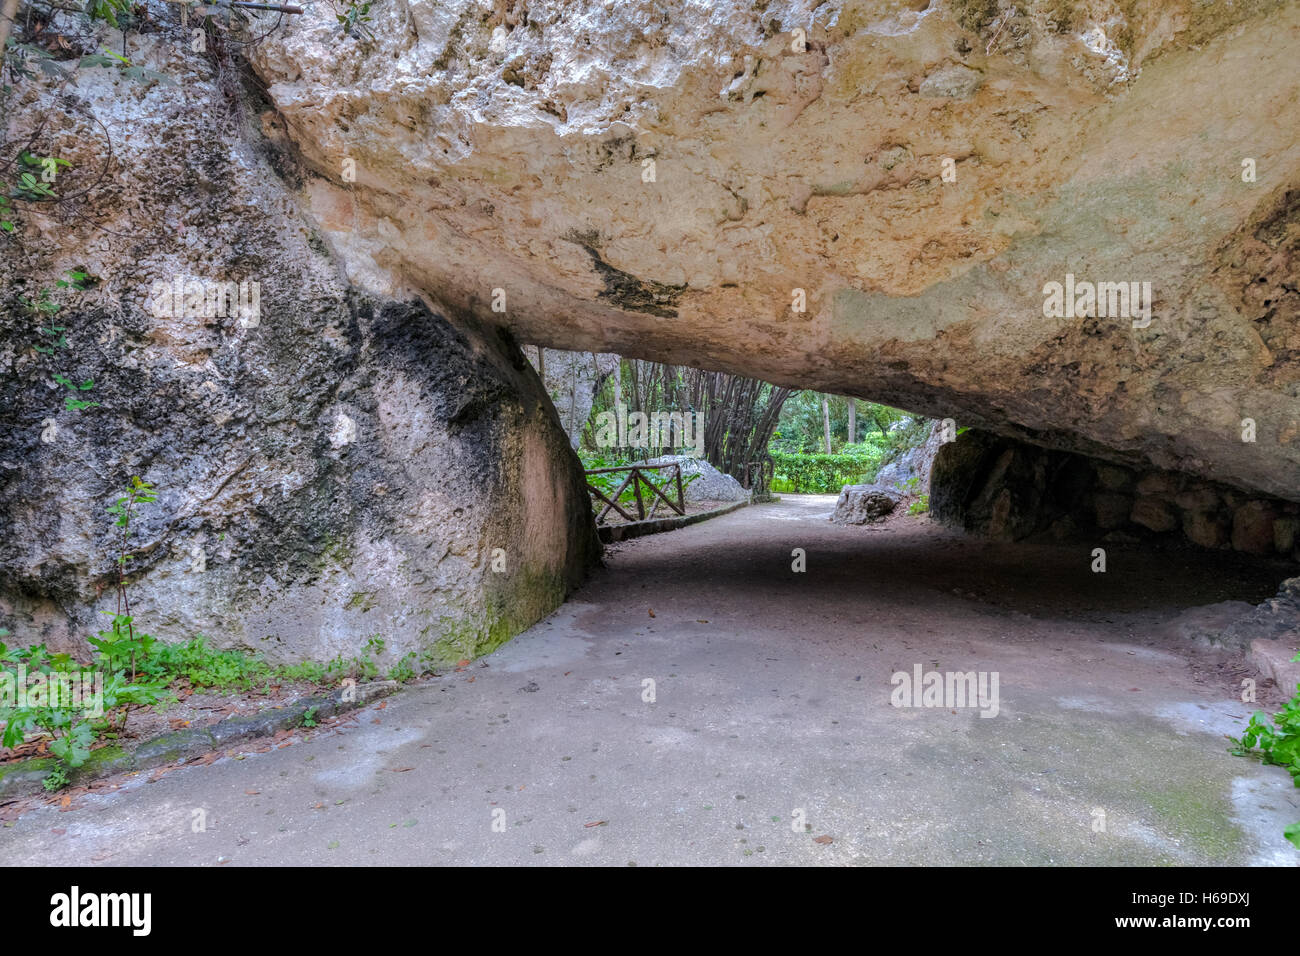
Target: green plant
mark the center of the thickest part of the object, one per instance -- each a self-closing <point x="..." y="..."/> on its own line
<point x="56" y="779"/>
<point x="404" y="669"/>
<point x="309" y="717"/>
<point x="1277" y="744"/>
<point x="120" y="646"/>
<point x="920" y="506"/>
<point x="355" y="20"/>
<point x="75" y="404"/>
<point x="202" y="666"/>
<point x="108" y="10"/>
<point x="128" y="69"/>
<point x="71" y="731"/>
<point x="138" y="492"/>
<point x="43" y="309"/>
<point x="609" y="482"/>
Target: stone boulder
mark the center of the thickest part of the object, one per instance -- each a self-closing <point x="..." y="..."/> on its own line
<point x="330" y="465"/>
<point x="1275" y="660"/>
<point x="1276" y="619"/>
<point x="864" y="504"/>
<point x="709" y="483"/>
<point x="914" y="463"/>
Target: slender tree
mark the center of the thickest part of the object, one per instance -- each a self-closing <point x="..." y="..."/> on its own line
<point x="826" y="422"/>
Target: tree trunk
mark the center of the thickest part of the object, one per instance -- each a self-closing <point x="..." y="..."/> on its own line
<point x="8" y="13"/>
<point x="853" y="421"/>
<point x="826" y="422"/>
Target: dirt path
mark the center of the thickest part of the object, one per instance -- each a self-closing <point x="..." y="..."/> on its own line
<point x="771" y="706"/>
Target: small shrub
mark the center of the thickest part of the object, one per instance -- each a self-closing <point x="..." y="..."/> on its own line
<point x="820" y="474"/>
<point x="1277" y="744"/>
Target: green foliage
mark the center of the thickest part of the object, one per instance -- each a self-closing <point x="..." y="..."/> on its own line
<point x="821" y="474"/>
<point x="404" y="670"/>
<point x="801" y="428"/>
<point x="206" y="667"/>
<point x="71" y="731"/>
<point x="32" y="185"/>
<point x="73" y="748"/>
<point x="128" y="69"/>
<point x="309" y="717"/>
<point x="119" y="646"/>
<point x="56" y="779"/>
<point x="920" y="506"/>
<point x="108" y="10"/>
<point x="1277" y="743"/>
<point x="74" y="404"/>
<point x="609" y="482"/>
<point x="42" y="309"/>
<point x="355" y="21"/>
<point x="138" y="492"/>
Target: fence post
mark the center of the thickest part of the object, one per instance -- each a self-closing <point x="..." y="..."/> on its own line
<point x="637" y="478"/>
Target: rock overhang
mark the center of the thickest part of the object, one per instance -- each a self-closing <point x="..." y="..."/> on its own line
<point x="659" y="179"/>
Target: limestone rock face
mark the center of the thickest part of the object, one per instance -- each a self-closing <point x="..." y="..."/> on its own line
<point x="330" y="465"/>
<point x="1010" y="489"/>
<point x="913" y="463"/>
<point x="678" y="180"/>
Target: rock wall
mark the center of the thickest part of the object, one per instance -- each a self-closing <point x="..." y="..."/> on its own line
<point x="1012" y="490"/>
<point x="330" y="464"/>
<point x="863" y="197"/>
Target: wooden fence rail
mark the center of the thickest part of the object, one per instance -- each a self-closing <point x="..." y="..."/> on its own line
<point x="637" y="478"/>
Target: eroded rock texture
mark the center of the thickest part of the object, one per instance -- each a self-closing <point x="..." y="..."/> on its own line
<point x="331" y="466"/>
<point x="1011" y="490"/>
<point x="659" y="178"/>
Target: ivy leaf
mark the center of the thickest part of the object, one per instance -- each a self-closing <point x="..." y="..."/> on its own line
<point x="54" y="68"/>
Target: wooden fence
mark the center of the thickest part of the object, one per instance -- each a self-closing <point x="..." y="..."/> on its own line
<point x="637" y="479"/>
